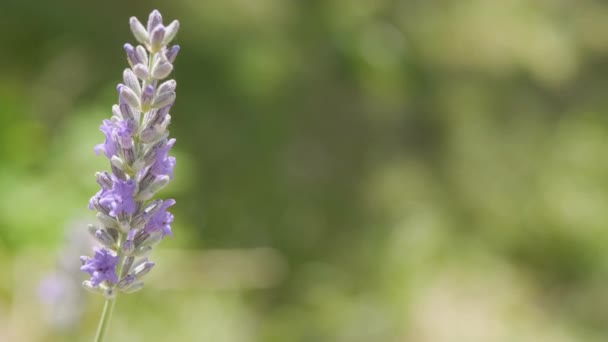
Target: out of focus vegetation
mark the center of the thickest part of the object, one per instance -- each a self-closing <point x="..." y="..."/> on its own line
<point x="347" y="170"/>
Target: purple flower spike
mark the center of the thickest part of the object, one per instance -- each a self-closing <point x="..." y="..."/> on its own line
<point x="102" y="267"/>
<point x="137" y="146"/>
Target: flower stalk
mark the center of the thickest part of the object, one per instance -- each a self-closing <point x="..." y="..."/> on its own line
<point x="137" y="145"/>
<point x="104" y="322"/>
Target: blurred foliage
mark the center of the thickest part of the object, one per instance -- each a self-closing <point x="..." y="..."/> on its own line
<point x="420" y="170"/>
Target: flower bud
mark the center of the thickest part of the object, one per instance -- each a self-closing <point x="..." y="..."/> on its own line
<point x="141" y="71"/>
<point x="123" y="223"/>
<point x="166" y="87"/>
<point x="142" y="55"/>
<point x="116" y="112"/>
<point x="145" y="193"/>
<point x="140" y="237"/>
<point x="125" y="282"/>
<point x="118" y="172"/>
<point x="139" y="31"/>
<point x="102" y="209"/>
<point x="156" y="40"/>
<point x="132" y="57"/>
<point x="131" y="81"/>
<point x="127" y="112"/>
<point x="171" y="53"/>
<point x="151" y="152"/>
<point x="163" y="99"/>
<point x="165" y="123"/>
<point x="134" y="287"/>
<point x="154" y="19"/>
<point x="107" y="220"/>
<point x="128" y="155"/>
<point x="126" y="266"/>
<point x="118" y="162"/>
<point x="128" y="96"/>
<point x="113" y="232"/>
<point x="128" y="246"/>
<point x="142" y="269"/>
<point x="140" y="219"/>
<point x="171" y="31"/>
<point x="92" y="229"/>
<point x="161" y="69"/>
<point x="151" y="135"/>
<point x="104" y="238"/>
<point x="103" y="179"/>
<point x="155" y="117"/>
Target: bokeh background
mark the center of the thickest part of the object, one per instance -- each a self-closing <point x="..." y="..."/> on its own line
<point x="347" y="170"/>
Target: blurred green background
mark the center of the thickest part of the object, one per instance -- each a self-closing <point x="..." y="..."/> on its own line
<point x="347" y="170"/>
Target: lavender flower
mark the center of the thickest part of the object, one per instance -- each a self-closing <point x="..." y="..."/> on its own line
<point x="161" y="220"/>
<point x="109" y="146"/>
<point x="102" y="267"/>
<point x="137" y="146"/>
<point x="119" y="200"/>
<point x="163" y="163"/>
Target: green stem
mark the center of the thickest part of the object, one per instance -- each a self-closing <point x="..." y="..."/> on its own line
<point x="108" y="307"/>
<point x="104" y="322"/>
